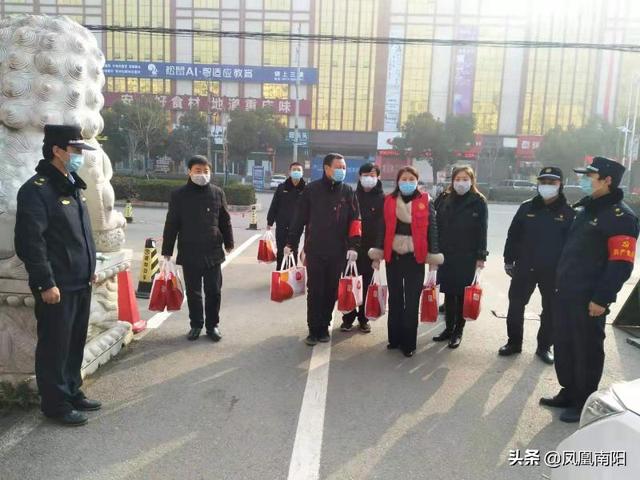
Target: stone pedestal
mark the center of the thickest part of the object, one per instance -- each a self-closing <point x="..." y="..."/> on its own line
<point x="106" y="336"/>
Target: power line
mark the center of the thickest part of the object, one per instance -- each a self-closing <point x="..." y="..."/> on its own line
<point x="320" y="38"/>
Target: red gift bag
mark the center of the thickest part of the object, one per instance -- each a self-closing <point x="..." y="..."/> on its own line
<point x="429" y="299"/>
<point x="375" y="306"/>
<point x="174" y="289"/>
<point x="267" y="248"/>
<point x="350" y="289"/>
<point x="289" y="281"/>
<point x="472" y="299"/>
<point x="158" y="295"/>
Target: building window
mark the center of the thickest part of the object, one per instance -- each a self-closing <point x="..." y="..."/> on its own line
<point x="206" y="4"/>
<point x="206" y="48"/>
<point x="277" y="4"/>
<point x="201" y="88"/>
<point x="276" y="52"/>
<point x="416" y="78"/>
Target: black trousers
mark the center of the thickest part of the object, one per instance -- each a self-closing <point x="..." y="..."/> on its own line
<point x="405" y="278"/>
<point x="453" y="307"/>
<point x="578" y="347"/>
<point x="282" y="234"/>
<point x="194" y="278"/>
<point x="366" y="270"/>
<point x="323" y="275"/>
<point x="522" y="287"/>
<point x="62" y="334"/>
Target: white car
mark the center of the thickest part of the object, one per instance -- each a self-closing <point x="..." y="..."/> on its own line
<point x="276" y="180"/>
<point x="609" y="437"/>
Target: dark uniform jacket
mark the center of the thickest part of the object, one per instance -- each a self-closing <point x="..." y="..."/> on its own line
<point x="53" y="231"/>
<point x="199" y="218"/>
<point x="462" y="238"/>
<point x="537" y="234"/>
<point x="371" y="205"/>
<point x="600" y="250"/>
<point x="331" y="215"/>
<point x="283" y="205"/>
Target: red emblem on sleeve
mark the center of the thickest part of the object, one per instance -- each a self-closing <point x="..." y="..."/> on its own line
<point x="622" y="248"/>
<point x="355" y="229"/>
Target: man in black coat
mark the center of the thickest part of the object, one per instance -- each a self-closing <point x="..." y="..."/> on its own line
<point x="283" y="207"/>
<point x="536" y="237"/>
<point x="53" y="238"/>
<point x="597" y="259"/>
<point x="371" y="202"/>
<point x="329" y="211"/>
<point x="198" y="217"/>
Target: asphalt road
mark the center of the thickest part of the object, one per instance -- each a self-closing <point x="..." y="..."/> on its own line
<point x="250" y="406"/>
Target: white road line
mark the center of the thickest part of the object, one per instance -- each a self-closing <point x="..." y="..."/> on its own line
<point x="159" y="318"/>
<point x="18" y="432"/>
<point x="307" y="446"/>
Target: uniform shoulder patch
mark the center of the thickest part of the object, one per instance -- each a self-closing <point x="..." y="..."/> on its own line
<point x="40" y="181"/>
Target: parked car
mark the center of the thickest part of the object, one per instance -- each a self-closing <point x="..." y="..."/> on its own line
<point x="276" y="180"/>
<point x="518" y="184"/>
<point x="610" y="423"/>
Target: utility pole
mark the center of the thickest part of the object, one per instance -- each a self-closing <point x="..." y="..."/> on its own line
<point x="297" y="99"/>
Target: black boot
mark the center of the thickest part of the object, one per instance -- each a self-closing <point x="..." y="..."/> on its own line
<point x="443" y="336"/>
<point x="509" y="349"/>
<point x="450" y="307"/>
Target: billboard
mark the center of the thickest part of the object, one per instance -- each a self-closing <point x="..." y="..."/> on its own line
<point x="197" y="71"/>
<point x="465" y="67"/>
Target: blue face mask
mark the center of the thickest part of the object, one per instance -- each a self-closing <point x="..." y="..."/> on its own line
<point x="76" y="160"/>
<point x="296" y="174"/>
<point x="339" y="174"/>
<point x="586" y="185"/>
<point x="407" y="188"/>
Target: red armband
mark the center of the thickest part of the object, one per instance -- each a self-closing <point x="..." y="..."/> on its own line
<point x="622" y="248"/>
<point x="355" y="229"/>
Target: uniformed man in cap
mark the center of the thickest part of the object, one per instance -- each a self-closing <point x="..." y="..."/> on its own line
<point x="596" y="261"/>
<point x="536" y="237"/>
<point x="53" y="239"/>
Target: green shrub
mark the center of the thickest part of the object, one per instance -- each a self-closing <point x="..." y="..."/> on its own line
<point x="239" y="194"/>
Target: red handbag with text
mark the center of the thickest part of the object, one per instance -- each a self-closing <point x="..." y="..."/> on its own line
<point x="375" y="306"/>
<point x="174" y="289"/>
<point x="350" y="289"/>
<point x="267" y="248"/>
<point x="289" y="281"/>
<point x="472" y="299"/>
<point x="429" y="299"/>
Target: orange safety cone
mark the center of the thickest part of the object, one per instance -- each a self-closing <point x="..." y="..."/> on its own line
<point x="127" y="303"/>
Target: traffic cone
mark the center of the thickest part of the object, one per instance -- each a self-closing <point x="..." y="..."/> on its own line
<point x="150" y="267"/>
<point x="128" y="211"/>
<point x="253" y="224"/>
<point x="127" y="304"/>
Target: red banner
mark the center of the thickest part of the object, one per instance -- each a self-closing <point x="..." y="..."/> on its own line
<point x="218" y="104"/>
<point x="527" y="146"/>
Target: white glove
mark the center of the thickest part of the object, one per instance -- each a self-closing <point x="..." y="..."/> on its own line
<point x="375" y="264"/>
<point x="352" y="255"/>
<point x="287" y="251"/>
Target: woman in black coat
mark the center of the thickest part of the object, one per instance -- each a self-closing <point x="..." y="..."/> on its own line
<point x="462" y="235"/>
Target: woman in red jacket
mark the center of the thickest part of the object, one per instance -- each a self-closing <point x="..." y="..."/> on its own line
<point x="410" y="239"/>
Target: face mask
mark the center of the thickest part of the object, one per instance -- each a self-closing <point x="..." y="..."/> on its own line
<point x="407" y="188"/>
<point x="368" y="182"/>
<point x="339" y="174"/>
<point x="586" y="185"/>
<point x="462" y="187"/>
<point x="548" y="191"/>
<point x="201" y="179"/>
<point x="76" y="160"/>
<point x="296" y="175"/>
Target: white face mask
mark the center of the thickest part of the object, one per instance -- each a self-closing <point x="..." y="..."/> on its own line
<point x="548" y="191"/>
<point x="368" y="182"/>
<point x="201" y="179"/>
<point x="462" y="186"/>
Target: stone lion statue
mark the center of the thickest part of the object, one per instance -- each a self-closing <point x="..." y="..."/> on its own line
<point x="50" y="72"/>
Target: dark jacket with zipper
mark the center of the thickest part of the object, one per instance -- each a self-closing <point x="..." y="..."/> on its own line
<point x="537" y="235"/>
<point x="329" y="213"/>
<point x="599" y="254"/>
<point x="283" y="206"/>
<point x="371" y="205"/>
<point x="462" y="238"/>
<point x="199" y="218"/>
<point x="53" y="231"/>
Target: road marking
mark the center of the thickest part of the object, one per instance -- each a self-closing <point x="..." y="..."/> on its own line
<point x="307" y="446"/>
<point x="159" y="318"/>
<point x="18" y="432"/>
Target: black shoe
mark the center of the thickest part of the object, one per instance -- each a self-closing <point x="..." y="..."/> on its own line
<point x="455" y="341"/>
<point x="346" y="327"/>
<point x="365" y="327"/>
<point x="194" y="334"/>
<point x="392" y="346"/>
<point x="311" y="340"/>
<point x="561" y="400"/>
<point x="408" y="353"/>
<point x="73" y="418"/>
<point x="324" y="337"/>
<point x="441" y="308"/>
<point x="443" y="337"/>
<point x="214" y="334"/>
<point x="509" y="349"/>
<point x="86" y="405"/>
<point x="571" y="415"/>
<point x="545" y="355"/>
